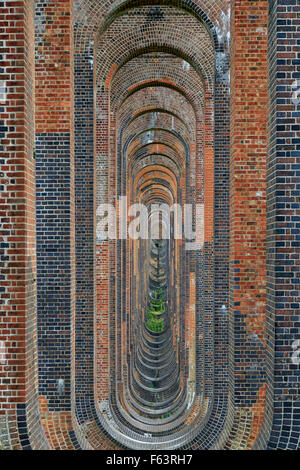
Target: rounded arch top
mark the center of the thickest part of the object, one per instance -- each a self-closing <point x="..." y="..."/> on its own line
<point x="132" y="35"/>
<point x="91" y="16"/>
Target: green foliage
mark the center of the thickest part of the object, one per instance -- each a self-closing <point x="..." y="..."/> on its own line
<point x="156" y="309"/>
<point x="156" y="325"/>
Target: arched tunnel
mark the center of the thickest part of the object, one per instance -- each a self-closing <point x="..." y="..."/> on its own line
<point x="155" y="107"/>
<point x="162" y="121"/>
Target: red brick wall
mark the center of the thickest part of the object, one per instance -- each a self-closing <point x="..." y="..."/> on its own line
<point x="248" y="202"/>
<point x="17" y="212"/>
<point x="54" y="69"/>
<point x="102" y="251"/>
<point x="18" y="370"/>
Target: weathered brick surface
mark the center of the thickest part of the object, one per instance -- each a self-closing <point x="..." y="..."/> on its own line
<point x="18" y="367"/>
<point x="248" y="206"/>
<point x="283" y="293"/>
<point x="54" y="75"/>
<point x="149" y="100"/>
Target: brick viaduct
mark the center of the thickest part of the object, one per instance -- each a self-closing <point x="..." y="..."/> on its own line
<point x="161" y="101"/>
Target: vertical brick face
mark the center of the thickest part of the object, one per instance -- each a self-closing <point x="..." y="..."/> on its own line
<point x="249" y="75"/>
<point x="85" y="215"/>
<point x="102" y="249"/>
<point x="54" y="66"/>
<point x="221" y="225"/>
<point x="283" y="300"/>
<point x="17" y="225"/>
<point x="18" y="335"/>
<point x="55" y="199"/>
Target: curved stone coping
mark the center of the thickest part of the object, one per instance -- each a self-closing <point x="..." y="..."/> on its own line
<point x="154" y="352"/>
<point x="161" y="340"/>
<point x="159" y="381"/>
<point x="156" y="411"/>
<point x="177" y="439"/>
<point x="160" y="407"/>
<point x="150" y="369"/>
<point x="161" y="388"/>
<point x="158" y="334"/>
<point x="148" y="372"/>
<point x="162" y="403"/>
<point x="155" y="391"/>
<point x="170" y="370"/>
<point x="154" y="425"/>
<point x="180" y="406"/>
<point x="156" y="361"/>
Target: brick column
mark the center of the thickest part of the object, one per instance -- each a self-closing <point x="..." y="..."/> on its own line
<point x="85" y="181"/>
<point x="248" y="209"/>
<point x="208" y="251"/>
<point x="18" y="361"/>
<point x="283" y="222"/>
<point x="199" y="263"/>
<point x="221" y="221"/>
<point x="102" y="249"/>
<point x="55" y="199"/>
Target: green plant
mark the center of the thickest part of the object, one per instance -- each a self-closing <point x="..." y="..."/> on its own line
<point x="156" y="325"/>
<point x="155" y="310"/>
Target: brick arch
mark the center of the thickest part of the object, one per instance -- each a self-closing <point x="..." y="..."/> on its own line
<point x="112" y="72"/>
<point x="156" y="147"/>
<point x="157" y="191"/>
<point x="156" y="194"/>
<point x="166" y="67"/>
<point x="132" y="82"/>
<point x="159" y="135"/>
<point x="150" y="159"/>
<point x="146" y="174"/>
<point x="154" y="109"/>
<point x="123" y="42"/>
<point x="164" y="98"/>
<point x="157" y="121"/>
<point x="115" y="124"/>
<point x="90" y="14"/>
<point x="167" y="96"/>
